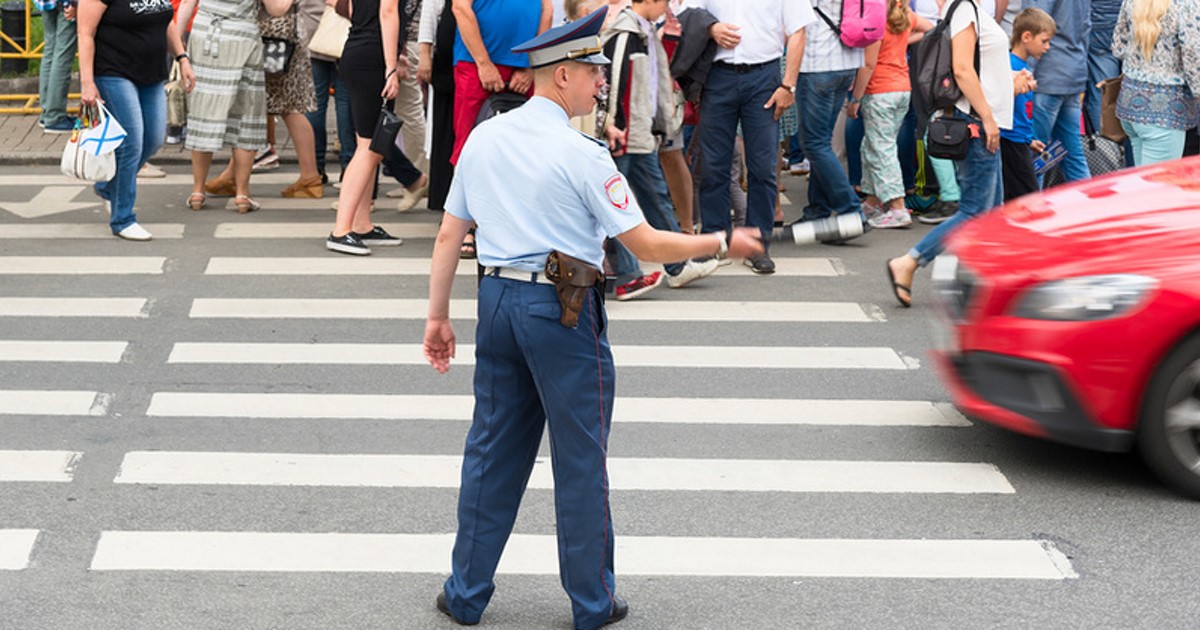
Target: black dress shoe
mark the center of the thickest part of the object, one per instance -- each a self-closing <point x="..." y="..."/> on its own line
<point x="441" y="605"/>
<point x="620" y="610"/>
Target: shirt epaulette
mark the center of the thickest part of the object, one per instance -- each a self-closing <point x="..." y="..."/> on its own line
<point x="592" y="138"/>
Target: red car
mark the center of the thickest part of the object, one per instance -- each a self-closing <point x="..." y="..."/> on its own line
<point x="1074" y="315"/>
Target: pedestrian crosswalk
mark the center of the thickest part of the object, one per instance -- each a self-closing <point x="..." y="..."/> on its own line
<point x="290" y="369"/>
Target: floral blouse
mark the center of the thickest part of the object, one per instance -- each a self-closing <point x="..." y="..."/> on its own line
<point x="1161" y="90"/>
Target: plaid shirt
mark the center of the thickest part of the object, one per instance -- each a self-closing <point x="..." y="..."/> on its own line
<point x="823" y="49"/>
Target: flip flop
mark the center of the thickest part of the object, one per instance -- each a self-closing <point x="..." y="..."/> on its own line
<point x="897" y="288"/>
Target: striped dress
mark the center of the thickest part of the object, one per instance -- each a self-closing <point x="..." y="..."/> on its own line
<point x="228" y="106"/>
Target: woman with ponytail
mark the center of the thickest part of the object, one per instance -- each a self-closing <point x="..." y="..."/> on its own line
<point x="1159" y="43"/>
<point x="882" y="92"/>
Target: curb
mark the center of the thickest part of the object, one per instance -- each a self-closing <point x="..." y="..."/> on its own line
<point x="53" y="159"/>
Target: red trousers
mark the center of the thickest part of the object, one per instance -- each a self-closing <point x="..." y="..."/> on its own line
<point x="469" y="96"/>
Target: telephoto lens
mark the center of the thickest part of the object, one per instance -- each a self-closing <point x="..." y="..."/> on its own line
<point x="834" y="229"/>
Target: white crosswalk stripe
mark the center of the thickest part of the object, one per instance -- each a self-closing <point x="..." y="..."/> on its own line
<point x="72" y="307"/>
<point x="48" y="466"/>
<point x="625" y="474"/>
<point x="314" y="231"/>
<point x="16" y="548"/>
<point x="33" y="402"/>
<point x="537" y="555"/>
<point x="645" y="310"/>
<point x="62" y="351"/>
<point x="81" y="265"/>
<point x="701" y="411"/>
<point x="372" y="266"/>
<point x="858" y="358"/>
<point x="59" y="231"/>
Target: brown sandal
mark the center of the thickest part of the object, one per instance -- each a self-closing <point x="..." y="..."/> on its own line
<point x="220" y="187"/>
<point x="310" y="188"/>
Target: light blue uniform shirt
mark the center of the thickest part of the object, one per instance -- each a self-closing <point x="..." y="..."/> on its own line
<point x="534" y="184"/>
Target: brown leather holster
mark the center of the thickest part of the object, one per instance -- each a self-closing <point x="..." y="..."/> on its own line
<point x="572" y="279"/>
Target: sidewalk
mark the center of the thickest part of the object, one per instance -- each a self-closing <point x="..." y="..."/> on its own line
<point x="22" y="142"/>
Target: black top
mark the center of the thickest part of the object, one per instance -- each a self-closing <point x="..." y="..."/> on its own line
<point x="131" y="40"/>
<point x="365" y="30"/>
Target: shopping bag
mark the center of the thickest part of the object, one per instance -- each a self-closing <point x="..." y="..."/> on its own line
<point x="90" y="151"/>
<point x="176" y="98"/>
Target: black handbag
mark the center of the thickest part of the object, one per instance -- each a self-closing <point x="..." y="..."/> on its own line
<point x="500" y="103"/>
<point x="383" y="140"/>
<point x="948" y="138"/>
<point x="277" y="54"/>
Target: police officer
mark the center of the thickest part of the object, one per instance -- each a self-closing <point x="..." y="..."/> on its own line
<point x="536" y="186"/>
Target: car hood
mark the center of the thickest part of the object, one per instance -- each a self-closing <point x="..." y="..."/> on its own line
<point x="1144" y="220"/>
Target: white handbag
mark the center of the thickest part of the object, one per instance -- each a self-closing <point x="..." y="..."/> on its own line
<point x="330" y="37"/>
<point x="90" y="151"/>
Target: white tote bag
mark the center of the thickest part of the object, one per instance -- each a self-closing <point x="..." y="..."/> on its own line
<point x="330" y="37"/>
<point x="89" y="154"/>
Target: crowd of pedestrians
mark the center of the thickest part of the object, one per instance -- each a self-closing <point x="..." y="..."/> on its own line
<point x="708" y="102"/>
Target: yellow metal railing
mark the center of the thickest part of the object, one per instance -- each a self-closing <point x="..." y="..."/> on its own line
<point x="27" y="102"/>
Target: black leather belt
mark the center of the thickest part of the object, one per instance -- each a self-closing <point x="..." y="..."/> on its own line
<point x="744" y="67"/>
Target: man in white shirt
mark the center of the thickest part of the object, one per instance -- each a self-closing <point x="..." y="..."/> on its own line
<point x="826" y="76"/>
<point x="744" y="86"/>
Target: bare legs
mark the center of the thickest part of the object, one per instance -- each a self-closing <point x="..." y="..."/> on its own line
<point x="354" y="202"/>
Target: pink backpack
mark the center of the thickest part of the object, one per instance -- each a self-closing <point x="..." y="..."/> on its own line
<point x="863" y="22"/>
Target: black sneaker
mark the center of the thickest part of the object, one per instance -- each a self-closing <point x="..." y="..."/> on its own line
<point x="377" y="236"/>
<point x="348" y="244"/>
<point x="940" y="211"/>
<point x="761" y="264"/>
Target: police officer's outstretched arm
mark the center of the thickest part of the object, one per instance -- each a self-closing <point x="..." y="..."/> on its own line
<point x="651" y="245"/>
<point x="439" y="334"/>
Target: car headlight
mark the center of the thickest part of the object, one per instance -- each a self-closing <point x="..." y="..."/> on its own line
<point x="1086" y="298"/>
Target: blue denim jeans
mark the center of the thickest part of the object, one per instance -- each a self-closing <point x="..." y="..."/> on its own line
<point x="325" y="73"/>
<point x="645" y="176"/>
<point x="982" y="189"/>
<point x="1101" y="65"/>
<point x="795" y="149"/>
<point x="142" y="111"/>
<point x="821" y="96"/>
<point x="731" y="97"/>
<point x="57" y="56"/>
<point x="854" y="135"/>
<point x="1056" y="117"/>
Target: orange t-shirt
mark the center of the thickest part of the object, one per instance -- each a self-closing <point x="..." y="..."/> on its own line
<point x="891" y="69"/>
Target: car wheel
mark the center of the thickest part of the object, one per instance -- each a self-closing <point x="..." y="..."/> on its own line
<point x="1169" y="430"/>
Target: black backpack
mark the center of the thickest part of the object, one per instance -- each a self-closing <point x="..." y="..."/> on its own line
<point x="500" y="103"/>
<point x="934" y="68"/>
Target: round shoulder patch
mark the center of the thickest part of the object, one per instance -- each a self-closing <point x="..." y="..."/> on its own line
<point x="618" y="193"/>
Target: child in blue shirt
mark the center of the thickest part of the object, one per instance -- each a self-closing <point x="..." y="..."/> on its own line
<point x="1032" y="31"/>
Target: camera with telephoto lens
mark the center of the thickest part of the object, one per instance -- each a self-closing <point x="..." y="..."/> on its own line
<point x="833" y="229"/>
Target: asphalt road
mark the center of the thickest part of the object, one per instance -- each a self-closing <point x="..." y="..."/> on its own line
<point x="795" y="508"/>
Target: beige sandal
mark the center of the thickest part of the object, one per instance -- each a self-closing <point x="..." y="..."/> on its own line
<point x="196" y="200"/>
<point x="245" y="204"/>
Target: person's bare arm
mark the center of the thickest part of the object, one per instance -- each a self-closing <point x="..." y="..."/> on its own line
<point x="276" y="8"/>
<point x="783" y="98"/>
<point x="870" y="60"/>
<point x="90" y="12"/>
<point x="962" y="58"/>
<point x="439" y="334"/>
<point x="175" y="45"/>
<point x="468" y="28"/>
<point x="389" y="27"/>
<point x="651" y="245"/>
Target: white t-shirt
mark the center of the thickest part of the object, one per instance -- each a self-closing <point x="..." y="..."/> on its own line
<point x="929" y="10"/>
<point x="995" y="73"/>
<point x="765" y="26"/>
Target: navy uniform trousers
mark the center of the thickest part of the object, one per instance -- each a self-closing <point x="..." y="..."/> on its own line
<point x="530" y="370"/>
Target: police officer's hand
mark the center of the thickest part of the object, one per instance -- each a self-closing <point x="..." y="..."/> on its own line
<point x="745" y="242"/>
<point x="439" y="344"/>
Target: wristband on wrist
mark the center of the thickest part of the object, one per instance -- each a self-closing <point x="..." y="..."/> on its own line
<point x="182" y="56"/>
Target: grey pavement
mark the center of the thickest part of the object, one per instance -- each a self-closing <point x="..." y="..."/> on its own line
<point x="1127" y="545"/>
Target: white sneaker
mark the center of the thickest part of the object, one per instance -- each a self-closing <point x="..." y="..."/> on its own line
<point x="693" y="271"/>
<point x="135" y="232"/>
<point x="396" y="193"/>
<point x="890" y="219"/>
<point x="150" y="171"/>
<point x="800" y="168"/>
